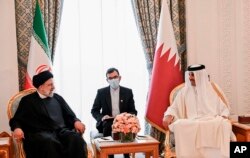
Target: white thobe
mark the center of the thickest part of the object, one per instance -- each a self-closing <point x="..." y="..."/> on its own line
<point x="199" y="129"/>
<point x="186" y="105"/>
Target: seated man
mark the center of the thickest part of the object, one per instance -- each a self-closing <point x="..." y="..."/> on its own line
<point x="198" y="118"/>
<point x="47" y="125"/>
<point x="111" y="101"/>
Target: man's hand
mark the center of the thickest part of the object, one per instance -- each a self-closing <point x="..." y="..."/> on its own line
<point x="79" y="126"/>
<point x="167" y="120"/>
<point x="106" y="117"/>
<point x="18" y="134"/>
<point x="225" y="117"/>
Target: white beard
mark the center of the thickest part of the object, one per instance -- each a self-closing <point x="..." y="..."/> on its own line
<point x="51" y="94"/>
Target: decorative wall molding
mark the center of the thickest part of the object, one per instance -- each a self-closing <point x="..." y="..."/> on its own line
<point x="244" y="93"/>
<point x="223" y="46"/>
<point x="226" y="47"/>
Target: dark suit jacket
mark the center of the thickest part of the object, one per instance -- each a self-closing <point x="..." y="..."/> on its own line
<point x="102" y="104"/>
<point x="32" y="116"/>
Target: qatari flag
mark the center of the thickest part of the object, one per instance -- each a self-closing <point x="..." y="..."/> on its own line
<point x="166" y="73"/>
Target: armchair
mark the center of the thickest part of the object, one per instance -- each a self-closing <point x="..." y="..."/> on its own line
<point x="169" y="153"/>
<point x="12" y="107"/>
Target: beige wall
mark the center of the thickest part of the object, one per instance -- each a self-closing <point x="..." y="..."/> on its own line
<point x="8" y="59"/>
<point x="218" y="35"/>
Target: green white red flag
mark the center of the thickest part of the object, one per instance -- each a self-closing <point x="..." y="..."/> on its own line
<point x="39" y="55"/>
<point x="166" y="73"/>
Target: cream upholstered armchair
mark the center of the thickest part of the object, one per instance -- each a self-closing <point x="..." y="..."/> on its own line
<point x="169" y="150"/>
<point x="12" y="107"/>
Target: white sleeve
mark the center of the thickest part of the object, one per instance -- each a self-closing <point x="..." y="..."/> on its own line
<point x="176" y="107"/>
<point x="223" y="109"/>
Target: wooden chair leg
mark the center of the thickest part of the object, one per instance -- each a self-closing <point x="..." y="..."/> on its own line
<point x="132" y="155"/>
<point x="168" y="152"/>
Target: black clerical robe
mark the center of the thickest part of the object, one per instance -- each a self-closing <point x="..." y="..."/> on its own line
<point x="33" y="118"/>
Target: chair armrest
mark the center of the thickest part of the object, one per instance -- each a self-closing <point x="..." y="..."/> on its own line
<point x="18" y="148"/>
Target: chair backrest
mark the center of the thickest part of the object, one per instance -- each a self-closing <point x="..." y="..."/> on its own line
<point x="14" y="101"/>
<point x="217" y="89"/>
<point x="11" y="110"/>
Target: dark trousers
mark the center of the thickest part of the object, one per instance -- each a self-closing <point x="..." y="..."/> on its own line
<point x="55" y="144"/>
<point x="107" y="127"/>
<point x="107" y="131"/>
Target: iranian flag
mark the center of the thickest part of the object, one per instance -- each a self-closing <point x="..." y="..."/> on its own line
<point x="39" y="56"/>
<point x="166" y="73"/>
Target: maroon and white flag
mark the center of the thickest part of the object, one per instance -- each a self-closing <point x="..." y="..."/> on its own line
<point x="166" y="73"/>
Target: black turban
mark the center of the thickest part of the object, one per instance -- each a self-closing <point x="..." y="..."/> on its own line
<point x="196" y="67"/>
<point x="40" y="78"/>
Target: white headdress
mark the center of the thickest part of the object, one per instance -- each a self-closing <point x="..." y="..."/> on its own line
<point x="206" y="95"/>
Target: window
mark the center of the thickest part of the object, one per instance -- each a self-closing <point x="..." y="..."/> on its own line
<point x="96" y="35"/>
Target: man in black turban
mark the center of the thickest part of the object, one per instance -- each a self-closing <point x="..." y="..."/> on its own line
<point x="40" y="78"/>
<point x="46" y="123"/>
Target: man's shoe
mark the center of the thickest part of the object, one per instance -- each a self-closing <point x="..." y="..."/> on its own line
<point x="126" y="156"/>
<point x="111" y="156"/>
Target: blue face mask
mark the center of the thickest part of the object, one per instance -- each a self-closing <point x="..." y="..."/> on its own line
<point x="114" y="83"/>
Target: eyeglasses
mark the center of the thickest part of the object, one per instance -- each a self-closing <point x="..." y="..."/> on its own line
<point x="114" y="77"/>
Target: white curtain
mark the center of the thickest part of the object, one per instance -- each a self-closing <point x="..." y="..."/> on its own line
<point x="94" y="36"/>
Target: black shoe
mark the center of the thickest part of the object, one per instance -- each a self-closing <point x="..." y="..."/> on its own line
<point x="126" y="156"/>
<point x="111" y="156"/>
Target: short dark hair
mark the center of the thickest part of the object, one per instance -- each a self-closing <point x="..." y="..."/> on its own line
<point x="112" y="69"/>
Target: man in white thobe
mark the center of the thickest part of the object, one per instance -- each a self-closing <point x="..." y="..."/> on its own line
<point x="198" y="118"/>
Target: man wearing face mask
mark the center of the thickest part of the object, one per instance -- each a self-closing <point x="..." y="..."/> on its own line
<point x="111" y="101"/>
